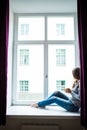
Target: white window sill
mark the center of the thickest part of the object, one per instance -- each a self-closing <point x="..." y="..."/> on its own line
<point x="53" y="112"/>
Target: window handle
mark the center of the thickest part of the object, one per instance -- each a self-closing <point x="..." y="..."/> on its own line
<point x="46" y="76"/>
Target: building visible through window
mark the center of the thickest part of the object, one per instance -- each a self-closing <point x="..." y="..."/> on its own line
<point x="60" y="29"/>
<point x="24" y="86"/>
<point x="60" y="84"/>
<point x="60" y="57"/>
<point x="24" y="29"/>
<point x="24" y="57"/>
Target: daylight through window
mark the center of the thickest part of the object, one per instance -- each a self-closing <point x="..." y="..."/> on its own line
<point x="44" y="55"/>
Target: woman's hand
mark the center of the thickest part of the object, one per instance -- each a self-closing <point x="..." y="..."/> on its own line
<point x="67" y="90"/>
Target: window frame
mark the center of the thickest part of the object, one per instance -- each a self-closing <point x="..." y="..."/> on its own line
<point x="46" y="43"/>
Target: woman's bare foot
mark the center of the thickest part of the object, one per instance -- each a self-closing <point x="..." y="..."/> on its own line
<point x="35" y="105"/>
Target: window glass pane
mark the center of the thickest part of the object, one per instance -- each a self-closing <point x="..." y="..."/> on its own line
<point x="30" y="70"/>
<point x="60" y="28"/>
<point x="61" y="61"/>
<point x="31" y="28"/>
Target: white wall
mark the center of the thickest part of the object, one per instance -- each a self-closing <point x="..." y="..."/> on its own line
<point x="42" y="6"/>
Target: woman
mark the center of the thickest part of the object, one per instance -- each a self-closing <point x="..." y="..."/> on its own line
<point x="71" y="104"/>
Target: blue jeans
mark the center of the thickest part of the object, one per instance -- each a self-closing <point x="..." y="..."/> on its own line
<point x="60" y="99"/>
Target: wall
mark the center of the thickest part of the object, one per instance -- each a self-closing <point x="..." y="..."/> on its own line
<point x="42" y="6"/>
<point x="15" y="123"/>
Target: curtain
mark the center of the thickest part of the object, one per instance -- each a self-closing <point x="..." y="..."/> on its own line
<point x="82" y="36"/>
<point x="4" y="20"/>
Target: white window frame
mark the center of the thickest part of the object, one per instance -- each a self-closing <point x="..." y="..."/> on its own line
<point x="45" y="42"/>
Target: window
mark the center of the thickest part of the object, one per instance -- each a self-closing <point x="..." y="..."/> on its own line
<point x="24" y="29"/>
<point x="60" y="84"/>
<point x="30" y="28"/>
<point x="44" y="55"/>
<point x="24" y="57"/>
<point x="24" y="86"/>
<point x="60" y="56"/>
<point x="60" y="65"/>
<point x="60" y="28"/>
<point x="29" y="72"/>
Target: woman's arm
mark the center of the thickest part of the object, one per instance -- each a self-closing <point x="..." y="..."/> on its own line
<point x="68" y="90"/>
<point x="76" y="92"/>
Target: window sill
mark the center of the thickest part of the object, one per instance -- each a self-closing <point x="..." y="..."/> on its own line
<point x="51" y="112"/>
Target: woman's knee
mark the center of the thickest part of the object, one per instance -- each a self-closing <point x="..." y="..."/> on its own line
<point x="56" y="93"/>
<point x="53" y="97"/>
